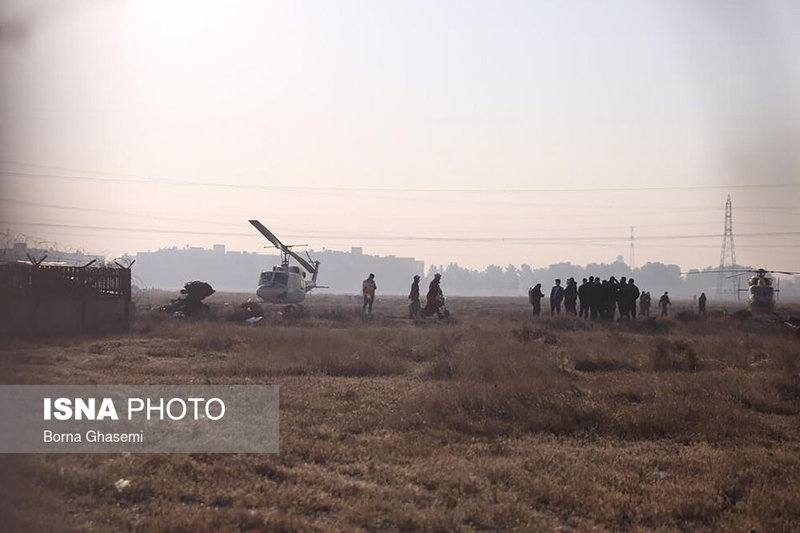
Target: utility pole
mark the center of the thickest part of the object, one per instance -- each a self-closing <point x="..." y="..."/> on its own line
<point x="727" y="256"/>
<point x="632" y="259"/>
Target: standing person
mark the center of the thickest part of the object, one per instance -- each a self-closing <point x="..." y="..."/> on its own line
<point x="702" y="304"/>
<point x="621" y="302"/>
<point x="556" y="296"/>
<point x="664" y="303"/>
<point x="414" y="308"/>
<point x="434" y="295"/>
<point x="633" y="295"/>
<point x="368" y="288"/>
<point x="596" y="299"/>
<point x="571" y="296"/>
<point x="583" y="298"/>
<point x="535" y="296"/>
<point x="610" y="298"/>
<point x="644" y="304"/>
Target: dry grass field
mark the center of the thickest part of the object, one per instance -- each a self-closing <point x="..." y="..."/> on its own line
<point x="489" y="420"/>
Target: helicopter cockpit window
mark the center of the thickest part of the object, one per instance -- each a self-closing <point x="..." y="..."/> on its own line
<point x="265" y="278"/>
<point x="280" y="278"/>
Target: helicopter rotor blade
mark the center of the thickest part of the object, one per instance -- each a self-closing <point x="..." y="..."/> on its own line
<point x="740" y="274"/>
<point x="280" y="246"/>
<point x="694" y="272"/>
<point x="269" y="235"/>
<point x="308" y="266"/>
<point x="784" y="272"/>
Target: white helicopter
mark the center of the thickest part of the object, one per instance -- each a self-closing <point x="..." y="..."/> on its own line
<point x="761" y="290"/>
<point x="285" y="284"/>
<point x="761" y="294"/>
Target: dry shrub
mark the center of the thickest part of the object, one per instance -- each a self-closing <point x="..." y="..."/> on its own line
<point x="527" y="334"/>
<point x="31" y="359"/>
<point x="786" y="377"/>
<point x="300" y="351"/>
<point x="176" y="351"/>
<point x="742" y="316"/>
<point x="505" y="385"/>
<point x="763" y="402"/>
<point x="687" y="316"/>
<point x="684" y="415"/>
<point x="500" y="359"/>
<point x="443" y="367"/>
<point x="149" y="321"/>
<point x="628" y="396"/>
<point x="554" y="403"/>
<point x="339" y="315"/>
<point x="294" y="314"/>
<point x="358" y="365"/>
<point x="440" y="351"/>
<point x="411" y="352"/>
<point x="246" y="365"/>
<point x="603" y="364"/>
<point x="648" y="326"/>
<point x="100" y="348"/>
<point x="567" y="322"/>
<point x="727" y="352"/>
<point x="211" y="336"/>
<point x="493" y="409"/>
<point x="674" y="356"/>
<point x="502" y="389"/>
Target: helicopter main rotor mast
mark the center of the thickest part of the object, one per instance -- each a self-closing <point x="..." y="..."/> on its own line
<point x="286" y="251"/>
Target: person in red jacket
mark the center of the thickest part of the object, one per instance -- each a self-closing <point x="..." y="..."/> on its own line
<point x="434" y="296"/>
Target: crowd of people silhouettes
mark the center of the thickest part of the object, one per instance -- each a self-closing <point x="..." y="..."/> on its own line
<point x="593" y="299"/>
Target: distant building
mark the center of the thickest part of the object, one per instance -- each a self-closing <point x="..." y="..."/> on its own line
<point x="342" y="272"/>
<point x="20" y="251"/>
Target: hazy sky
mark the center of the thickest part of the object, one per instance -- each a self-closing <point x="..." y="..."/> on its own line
<point x="477" y="132"/>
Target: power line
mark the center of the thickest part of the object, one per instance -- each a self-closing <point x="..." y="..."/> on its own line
<point x="581" y="207"/>
<point x="310" y="188"/>
<point x="99" y="211"/>
<point x="317" y="232"/>
<point x="490" y="239"/>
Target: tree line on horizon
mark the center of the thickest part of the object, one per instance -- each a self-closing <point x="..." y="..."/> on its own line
<point x="654" y="277"/>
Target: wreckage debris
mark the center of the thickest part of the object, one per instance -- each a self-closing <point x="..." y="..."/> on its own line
<point x="249" y="312"/>
<point x="793" y="323"/>
<point x="190" y="302"/>
<point x="252" y="309"/>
